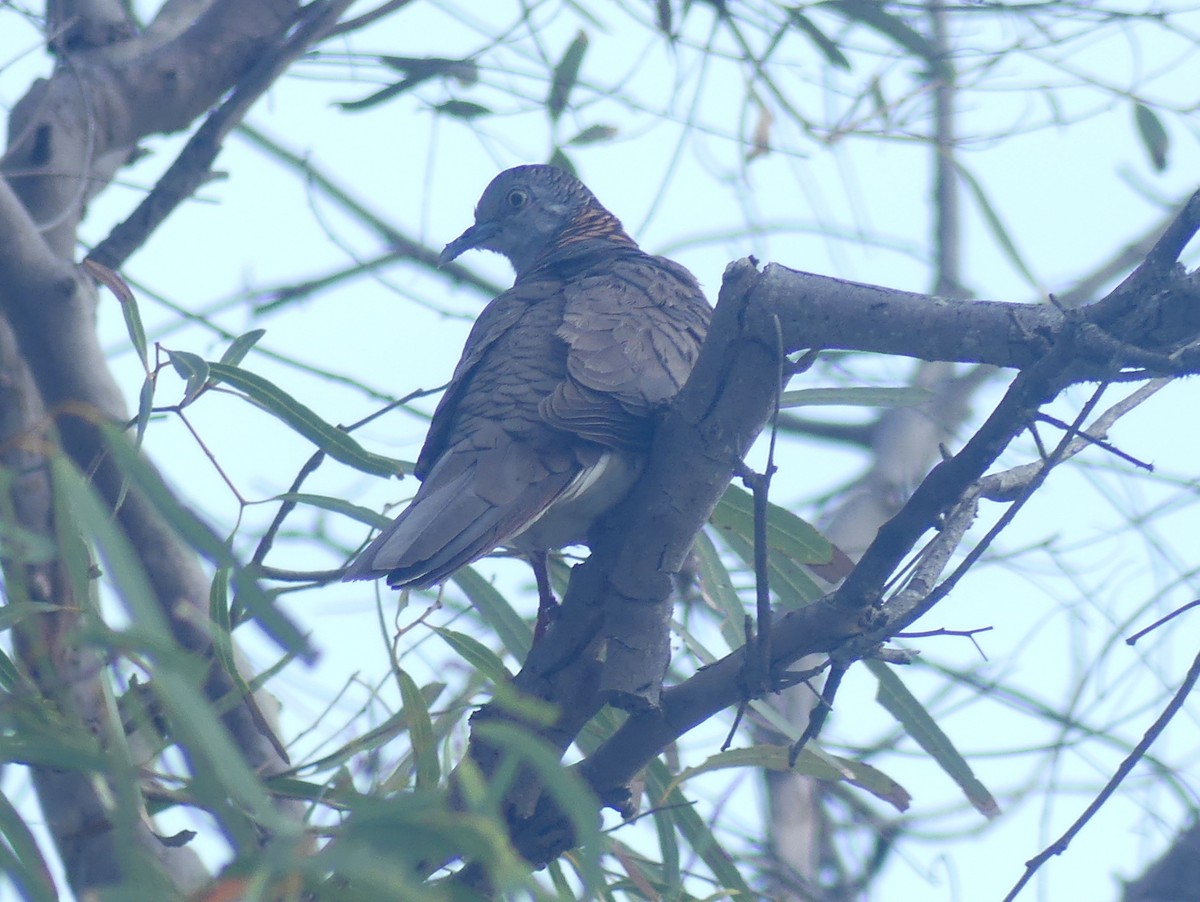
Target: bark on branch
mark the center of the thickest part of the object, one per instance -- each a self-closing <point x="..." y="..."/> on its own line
<point x="610" y="643"/>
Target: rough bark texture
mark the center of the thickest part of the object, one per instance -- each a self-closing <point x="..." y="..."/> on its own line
<point x="619" y="598"/>
<point x="67" y="138"/>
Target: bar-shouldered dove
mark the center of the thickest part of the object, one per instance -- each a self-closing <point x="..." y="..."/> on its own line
<point x="546" y="422"/>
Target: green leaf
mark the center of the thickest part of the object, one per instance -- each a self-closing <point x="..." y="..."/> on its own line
<point x="855" y="397"/>
<point x="145" y="409"/>
<point x="921" y="726"/>
<point x="462" y="109"/>
<point x="515" y="634"/>
<point x="566" y="74"/>
<point x="792" y="543"/>
<point x="25" y="865"/>
<point x="695" y="831"/>
<point x="571" y="795"/>
<point x="420" y="729"/>
<point x="562" y="161"/>
<point x="192" y="368"/>
<point x="1153" y="134"/>
<point x="593" y="134"/>
<point x="240" y="347"/>
<point x="464" y="71"/>
<point x="12" y="614"/>
<point x="337" y="443"/>
<point x="811" y="762"/>
<point x="872" y="14"/>
<point x="476" y="654"/>
<point x="338" y="506"/>
<point x="719" y="592"/>
<point x="828" y="48"/>
<point x="129" y="308"/>
<point x="999" y="230"/>
<point x="222" y="779"/>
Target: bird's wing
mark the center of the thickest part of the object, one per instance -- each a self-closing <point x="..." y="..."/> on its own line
<point x="497" y="318"/>
<point x="491" y="464"/>
<point x="633" y="328"/>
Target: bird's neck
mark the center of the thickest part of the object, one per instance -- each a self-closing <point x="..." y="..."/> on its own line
<point x="593" y="222"/>
<point x="592" y="230"/>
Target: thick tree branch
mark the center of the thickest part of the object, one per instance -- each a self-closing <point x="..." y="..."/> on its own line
<point x="67" y="138"/>
<point x="610" y="642"/>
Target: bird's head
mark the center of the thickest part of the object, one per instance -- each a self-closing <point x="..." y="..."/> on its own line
<point x="528" y="211"/>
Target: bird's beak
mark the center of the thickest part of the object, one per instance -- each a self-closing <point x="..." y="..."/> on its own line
<point x="476" y="236"/>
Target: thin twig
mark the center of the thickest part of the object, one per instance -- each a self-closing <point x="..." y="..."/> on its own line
<point x="1060" y="845"/>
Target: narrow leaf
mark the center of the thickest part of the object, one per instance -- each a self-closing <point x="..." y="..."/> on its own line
<point x="921" y="726"/>
<point x="420" y="730"/>
<point x="145" y="409"/>
<point x="999" y="230"/>
<point x="338" y="506"/>
<point x="462" y="109"/>
<point x="514" y="633"/>
<point x="562" y="161"/>
<point x="828" y="48"/>
<point x="811" y="762"/>
<point x="872" y="14"/>
<point x="697" y="833"/>
<point x="26" y="868"/>
<point x="240" y="347"/>
<point x="129" y="308"/>
<point x="792" y="542"/>
<point x="177" y="675"/>
<point x="572" y="796"/>
<point x="1153" y="134"/>
<point x="337" y="443"/>
<point x="566" y="74"/>
<point x="593" y="134"/>
<point x="476" y="654"/>
<point x="191" y="367"/>
<point x="855" y="397"/>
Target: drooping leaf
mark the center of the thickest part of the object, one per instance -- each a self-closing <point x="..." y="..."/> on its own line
<point x="240" y="347"/>
<point x="462" y="109"/>
<point x="420" y="731"/>
<point x="855" y="397"/>
<point x="828" y="48"/>
<point x="145" y="409"/>
<point x="923" y="728"/>
<point x="177" y="674"/>
<point x="191" y="367"/>
<point x="25" y="865"/>
<point x="811" y="762"/>
<point x="695" y="831"/>
<point x="514" y="633"/>
<point x="1153" y="134"/>
<point x="571" y="795"/>
<point x="337" y="443"/>
<point x="476" y="654"/>
<point x="593" y="134"/>
<point x="338" y="506"/>
<point x="792" y="543"/>
<point x="998" y="228"/>
<point x="129" y="308"/>
<point x="565" y="75"/>
<point x="873" y="14"/>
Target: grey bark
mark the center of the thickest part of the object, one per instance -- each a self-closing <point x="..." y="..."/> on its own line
<point x="67" y="138"/>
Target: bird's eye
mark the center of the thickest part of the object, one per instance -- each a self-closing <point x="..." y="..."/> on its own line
<point x="516" y="199"/>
